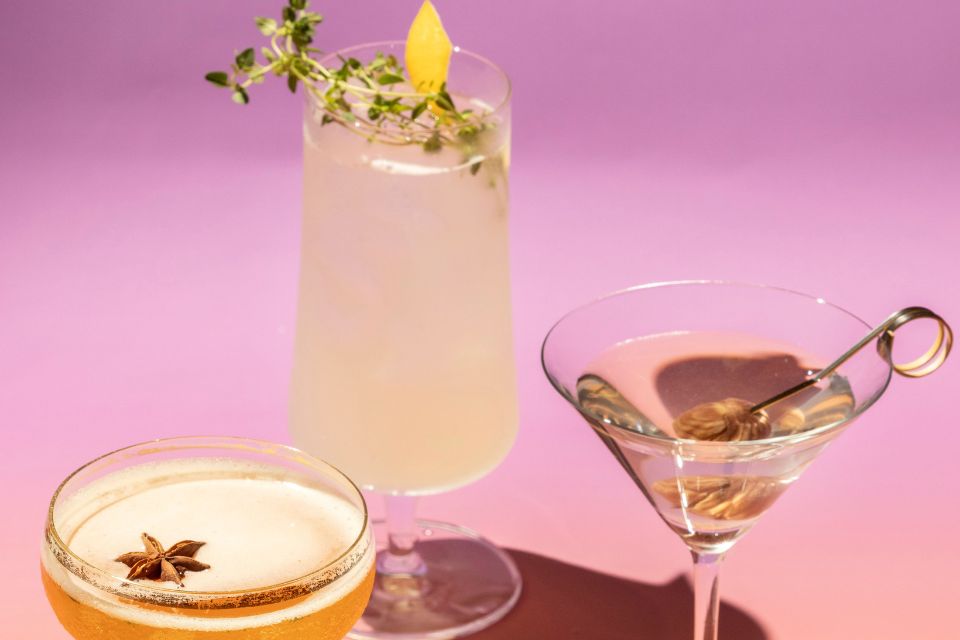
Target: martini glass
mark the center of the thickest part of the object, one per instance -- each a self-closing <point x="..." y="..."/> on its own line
<point x="633" y="361"/>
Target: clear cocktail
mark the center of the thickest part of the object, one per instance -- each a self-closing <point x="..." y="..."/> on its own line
<point x="715" y="397"/>
<point x="286" y="550"/>
<point x="708" y="502"/>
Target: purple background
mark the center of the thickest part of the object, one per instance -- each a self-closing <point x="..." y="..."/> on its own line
<point x="149" y="234"/>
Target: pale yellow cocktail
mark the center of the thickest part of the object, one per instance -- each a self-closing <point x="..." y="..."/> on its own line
<point x="404" y="372"/>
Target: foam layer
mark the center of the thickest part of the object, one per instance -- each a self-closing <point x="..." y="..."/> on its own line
<point x="262" y="527"/>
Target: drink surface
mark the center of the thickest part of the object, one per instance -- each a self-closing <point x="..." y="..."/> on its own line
<point x="651" y="380"/>
<point x="262" y="527"/>
<point x="667" y="374"/>
<point x="404" y="372"/>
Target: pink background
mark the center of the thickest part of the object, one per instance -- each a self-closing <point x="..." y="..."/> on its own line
<point x="148" y="260"/>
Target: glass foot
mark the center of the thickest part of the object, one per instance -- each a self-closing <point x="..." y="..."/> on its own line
<point x="463" y="584"/>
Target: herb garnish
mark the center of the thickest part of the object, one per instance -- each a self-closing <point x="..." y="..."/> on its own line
<point x="361" y="96"/>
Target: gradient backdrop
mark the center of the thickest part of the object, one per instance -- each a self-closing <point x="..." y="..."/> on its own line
<point x="149" y="240"/>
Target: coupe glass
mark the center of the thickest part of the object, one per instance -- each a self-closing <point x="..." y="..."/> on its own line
<point x="403" y="366"/>
<point x="319" y="601"/>
<point x="632" y="362"/>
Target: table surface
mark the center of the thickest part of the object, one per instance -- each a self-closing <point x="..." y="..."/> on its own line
<point x="149" y="248"/>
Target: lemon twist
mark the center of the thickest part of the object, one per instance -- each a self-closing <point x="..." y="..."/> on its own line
<point x="428" y="51"/>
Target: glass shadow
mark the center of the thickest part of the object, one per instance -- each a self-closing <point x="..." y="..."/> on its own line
<point x="561" y="601"/>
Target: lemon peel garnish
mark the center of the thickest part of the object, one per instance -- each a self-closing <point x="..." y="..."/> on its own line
<point x="428" y="51"/>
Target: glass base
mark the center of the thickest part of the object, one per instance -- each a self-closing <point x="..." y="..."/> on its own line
<point x="465" y="585"/>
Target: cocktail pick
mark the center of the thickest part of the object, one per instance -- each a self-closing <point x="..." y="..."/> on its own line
<point x="735" y="419"/>
<point x="883" y="334"/>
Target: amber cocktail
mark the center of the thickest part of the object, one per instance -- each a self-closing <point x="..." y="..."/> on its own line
<point x="207" y="538"/>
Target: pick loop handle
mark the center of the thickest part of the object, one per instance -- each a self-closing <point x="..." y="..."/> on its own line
<point x="935" y="355"/>
<point x="883" y="334"/>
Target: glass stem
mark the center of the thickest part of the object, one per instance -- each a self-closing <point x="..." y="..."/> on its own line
<point x="400" y="556"/>
<point x="706" y="594"/>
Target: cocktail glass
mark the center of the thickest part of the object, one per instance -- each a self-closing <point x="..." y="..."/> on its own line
<point x="287" y="538"/>
<point x="403" y="367"/>
<point x="633" y="361"/>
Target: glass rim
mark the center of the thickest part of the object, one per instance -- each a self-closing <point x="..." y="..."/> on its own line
<point x="707" y="446"/>
<point x="229" y="599"/>
<point x="457" y="50"/>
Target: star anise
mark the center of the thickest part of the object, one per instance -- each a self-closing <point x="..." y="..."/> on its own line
<point x="156" y="564"/>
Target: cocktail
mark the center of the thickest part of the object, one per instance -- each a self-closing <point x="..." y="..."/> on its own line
<point x="677" y="380"/>
<point x="403" y="333"/>
<point x="404" y="370"/>
<point x="207" y="537"/>
<point x="403" y="367"/>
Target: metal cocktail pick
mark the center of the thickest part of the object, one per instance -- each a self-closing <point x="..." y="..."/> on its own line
<point x="883" y="333"/>
<point x="735" y="419"/>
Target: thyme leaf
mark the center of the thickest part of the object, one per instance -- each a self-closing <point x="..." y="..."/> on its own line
<point x="369" y="98"/>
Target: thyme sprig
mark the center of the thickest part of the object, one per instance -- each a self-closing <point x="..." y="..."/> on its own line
<point x="363" y="97"/>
